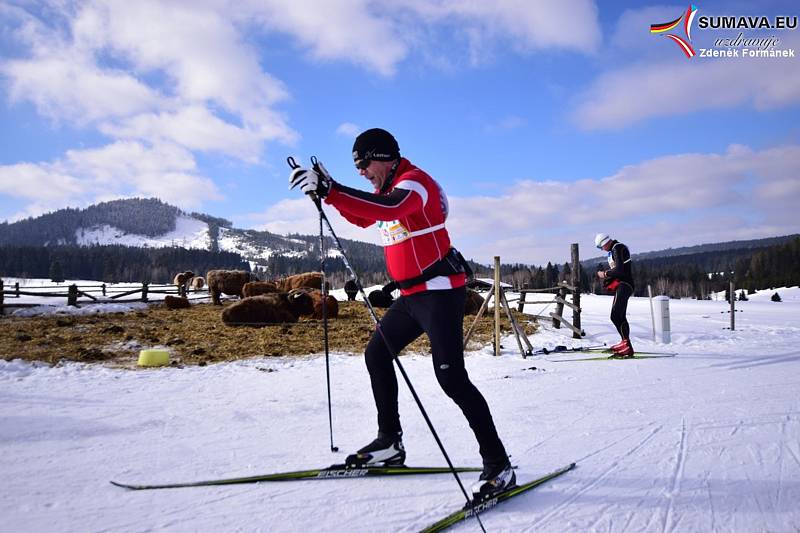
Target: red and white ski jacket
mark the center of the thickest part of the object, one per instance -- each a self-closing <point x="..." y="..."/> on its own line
<point x="410" y="217"/>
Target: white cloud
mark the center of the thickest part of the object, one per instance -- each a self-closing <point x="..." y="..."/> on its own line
<point x="570" y="24"/>
<point x="194" y="127"/>
<point x="122" y="169"/>
<point x="348" y="130"/>
<point x="150" y="71"/>
<point x="378" y="36"/>
<point x="668" y="201"/>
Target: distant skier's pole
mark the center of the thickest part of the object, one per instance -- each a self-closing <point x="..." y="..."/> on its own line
<point x="325" y="326"/>
<point x="391" y="350"/>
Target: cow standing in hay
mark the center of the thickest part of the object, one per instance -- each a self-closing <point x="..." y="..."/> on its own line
<point x="228" y="282"/>
<point x="182" y="281"/>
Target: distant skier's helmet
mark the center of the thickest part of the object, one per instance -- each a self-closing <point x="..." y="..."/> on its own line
<point x="601" y="239"/>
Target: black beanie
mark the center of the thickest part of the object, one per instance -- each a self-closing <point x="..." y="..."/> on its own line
<point x="376" y="145"/>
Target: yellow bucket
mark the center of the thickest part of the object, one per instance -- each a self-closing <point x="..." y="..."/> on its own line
<point x="153" y="358"/>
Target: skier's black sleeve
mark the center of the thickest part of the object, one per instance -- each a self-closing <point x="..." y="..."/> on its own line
<point x="393" y="199"/>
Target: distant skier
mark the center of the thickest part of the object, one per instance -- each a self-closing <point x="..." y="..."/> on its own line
<point x="410" y="209"/>
<point x="619" y="280"/>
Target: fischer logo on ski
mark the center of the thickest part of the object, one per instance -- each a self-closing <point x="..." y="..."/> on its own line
<point x="481" y="507"/>
<point x="345" y="472"/>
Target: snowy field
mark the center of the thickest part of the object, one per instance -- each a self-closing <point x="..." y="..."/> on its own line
<point x="708" y="440"/>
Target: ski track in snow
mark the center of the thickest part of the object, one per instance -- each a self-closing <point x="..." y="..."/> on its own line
<point x="706" y="441"/>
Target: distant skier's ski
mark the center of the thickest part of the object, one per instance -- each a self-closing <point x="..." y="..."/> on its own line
<point x="615" y="358"/>
<point x="331" y="472"/>
<point x="468" y="511"/>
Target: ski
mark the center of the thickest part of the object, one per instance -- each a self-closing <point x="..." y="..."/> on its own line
<point x="339" y="471"/>
<point x="608" y="351"/>
<point x="590" y="349"/>
<point x="646" y="355"/>
<point x="468" y="511"/>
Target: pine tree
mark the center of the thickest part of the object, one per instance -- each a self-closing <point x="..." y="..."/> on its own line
<point x="56" y="274"/>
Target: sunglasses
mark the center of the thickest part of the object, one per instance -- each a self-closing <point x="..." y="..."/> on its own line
<point x="362" y="164"/>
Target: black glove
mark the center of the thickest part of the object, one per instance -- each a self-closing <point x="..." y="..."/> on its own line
<point x="310" y="182"/>
<point x="390" y="287"/>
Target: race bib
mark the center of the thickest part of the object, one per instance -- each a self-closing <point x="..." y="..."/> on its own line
<point x="392" y="232"/>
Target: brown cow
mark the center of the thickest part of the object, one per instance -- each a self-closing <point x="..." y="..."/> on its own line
<point x="254" y="288"/>
<point x="226" y="282"/>
<point x="266" y="309"/>
<point x="310" y="280"/>
<point x="332" y="304"/>
<point x="473" y="302"/>
<point x="176" y="302"/>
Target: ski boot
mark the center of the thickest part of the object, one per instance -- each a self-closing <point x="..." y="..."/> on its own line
<point x="618" y="346"/>
<point x="386" y="450"/>
<point x="495" y="478"/>
<point x="623" y="352"/>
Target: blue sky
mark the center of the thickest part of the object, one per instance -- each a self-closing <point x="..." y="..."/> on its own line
<point x="544" y="122"/>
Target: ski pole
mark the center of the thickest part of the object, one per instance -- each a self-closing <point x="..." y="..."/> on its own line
<point x="325" y="330"/>
<point x="395" y="357"/>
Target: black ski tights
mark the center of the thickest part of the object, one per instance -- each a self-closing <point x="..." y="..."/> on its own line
<point x="440" y="315"/>
<point x="620" y="308"/>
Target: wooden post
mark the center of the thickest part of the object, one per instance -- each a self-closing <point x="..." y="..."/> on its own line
<point x="576" y="294"/>
<point x="521" y="302"/>
<point x="144" y="291"/>
<point x="733" y="308"/>
<point x="483" y="308"/>
<point x="72" y="295"/>
<point x="16" y="290"/>
<point x="2" y="295"/>
<point x="562" y="294"/>
<point x="104" y="289"/>
<point x="497" y="304"/>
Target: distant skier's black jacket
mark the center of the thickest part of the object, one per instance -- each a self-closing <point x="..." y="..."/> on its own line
<point x="619" y="262"/>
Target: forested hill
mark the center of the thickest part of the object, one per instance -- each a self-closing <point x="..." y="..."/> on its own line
<point x="150" y="217"/>
<point x="145" y="239"/>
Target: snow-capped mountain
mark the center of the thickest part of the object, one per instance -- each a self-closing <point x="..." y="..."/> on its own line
<point x="150" y="223"/>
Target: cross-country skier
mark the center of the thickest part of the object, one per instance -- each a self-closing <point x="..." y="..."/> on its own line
<point x="619" y="280"/>
<point x="410" y="209"/>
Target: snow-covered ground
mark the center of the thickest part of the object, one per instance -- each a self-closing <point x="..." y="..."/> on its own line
<point x="708" y="440"/>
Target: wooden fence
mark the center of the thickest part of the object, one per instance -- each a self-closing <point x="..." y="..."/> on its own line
<point x="560" y="299"/>
<point x="75" y="295"/>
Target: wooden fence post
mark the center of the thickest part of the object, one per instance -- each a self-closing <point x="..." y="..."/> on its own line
<point x="16" y="290"/>
<point x="562" y="294"/>
<point x="104" y="289"/>
<point x="72" y="295"/>
<point x="521" y="301"/>
<point x="576" y="295"/>
<point x="144" y="291"/>
<point x="2" y="295"/>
